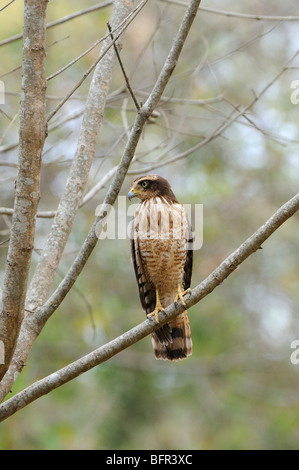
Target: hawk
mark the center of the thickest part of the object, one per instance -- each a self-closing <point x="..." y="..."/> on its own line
<point x="162" y="259"/>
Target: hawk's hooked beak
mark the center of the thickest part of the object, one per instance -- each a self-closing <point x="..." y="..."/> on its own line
<point x="131" y="194"/>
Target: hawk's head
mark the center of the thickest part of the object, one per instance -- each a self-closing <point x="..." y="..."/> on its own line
<point x="150" y="186"/>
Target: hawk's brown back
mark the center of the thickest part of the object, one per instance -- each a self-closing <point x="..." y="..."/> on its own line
<point x="162" y="259"/>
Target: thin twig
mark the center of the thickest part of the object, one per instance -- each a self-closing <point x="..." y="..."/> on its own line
<point x="70" y="17"/>
<point x="127" y="21"/>
<point x="9" y="126"/>
<point x="234" y="14"/>
<point x="74" y="61"/>
<point x="3" y="8"/>
<point x="123" y="69"/>
<point x="32" y="136"/>
<point x="228" y="120"/>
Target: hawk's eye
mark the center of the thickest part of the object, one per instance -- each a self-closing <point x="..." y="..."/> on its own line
<point x="144" y="184"/>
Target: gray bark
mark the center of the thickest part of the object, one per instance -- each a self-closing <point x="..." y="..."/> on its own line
<point x="69" y="203"/>
<point x="32" y="136"/>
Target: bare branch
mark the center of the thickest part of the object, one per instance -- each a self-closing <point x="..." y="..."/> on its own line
<point x="124" y="23"/>
<point x="33" y="324"/>
<point x="233" y="117"/>
<point x="9" y="126"/>
<point x="234" y="14"/>
<point x="72" y="196"/>
<point x="32" y="137"/>
<point x="74" y="61"/>
<point x="106" y="47"/>
<point x="70" y="17"/>
<point x="123" y="70"/>
<point x="227" y="121"/>
<point x="144" y="113"/>
<point x="7" y="5"/>
<point x="105" y="352"/>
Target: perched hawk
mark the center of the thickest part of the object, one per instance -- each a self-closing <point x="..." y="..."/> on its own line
<point x="162" y="261"/>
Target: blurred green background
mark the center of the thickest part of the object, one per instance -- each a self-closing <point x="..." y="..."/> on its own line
<point x="239" y="390"/>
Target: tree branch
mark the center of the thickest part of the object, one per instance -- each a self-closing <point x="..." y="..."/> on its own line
<point x="102" y="354"/>
<point x="33" y="324"/>
<point x="78" y="176"/>
<point x="235" y="14"/>
<point x="72" y="16"/>
<point x="144" y="113"/>
<point x="104" y="51"/>
<point x="72" y="195"/>
<point x="7" y="5"/>
<point x="123" y="70"/>
<point x="32" y="136"/>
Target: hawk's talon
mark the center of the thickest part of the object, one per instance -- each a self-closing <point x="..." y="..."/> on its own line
<point x="180" y="296"/>
<point x="158" y="308"/>
<point x="155" y="313"/>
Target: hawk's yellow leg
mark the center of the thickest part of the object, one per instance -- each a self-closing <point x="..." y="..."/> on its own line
<point x="158" y="308"/>
<point x="180" y="295"/>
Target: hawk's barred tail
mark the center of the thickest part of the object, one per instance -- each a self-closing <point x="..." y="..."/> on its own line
<point x="173" y="341"/>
